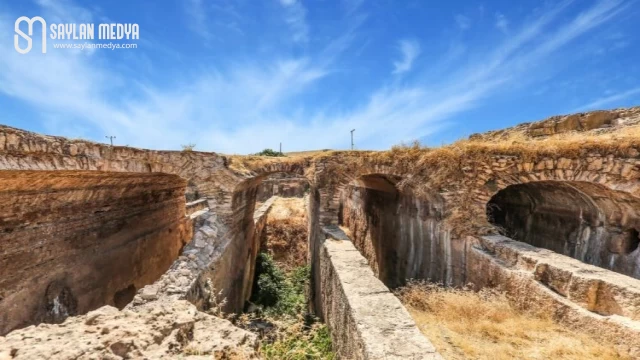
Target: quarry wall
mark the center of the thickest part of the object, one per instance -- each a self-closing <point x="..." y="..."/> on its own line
<point x="72" y="241"/>
<point x="399" y="235"/>
<point x="586" y="221"/>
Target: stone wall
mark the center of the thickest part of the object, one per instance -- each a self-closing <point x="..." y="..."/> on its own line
<point x="229" y="275"/>
<point x="283" y="185"/>
<point x="365" y="319"/>
<point x="578" y="295"/>
<point x="464" y="178"/>
<point x="72" y="241"/>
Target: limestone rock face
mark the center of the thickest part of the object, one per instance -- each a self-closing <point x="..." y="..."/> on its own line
<point x="158" y="330"/>
<point x="575" y="122"/>
<point x="597" y="121"/>
<point x="73" y="241"/>
<point x="577" y="295"/>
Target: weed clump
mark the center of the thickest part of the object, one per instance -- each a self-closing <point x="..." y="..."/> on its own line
<point x="279" y="314"/>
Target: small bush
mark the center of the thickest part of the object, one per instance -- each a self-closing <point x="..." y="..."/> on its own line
<point x="269" y="152"/>
<point x="188" y="147"/>
<point x="279" y="294"/>
<point x="269" y="285"/>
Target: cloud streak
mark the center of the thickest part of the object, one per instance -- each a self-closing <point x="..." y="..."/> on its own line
<point x="409" y="49"/>
<point x="606" y="100"/>
<point x="295" y="15"/>
<point x="197" y="17"/>
<point x="463" y="22"/>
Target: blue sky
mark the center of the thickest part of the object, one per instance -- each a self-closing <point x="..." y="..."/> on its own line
<point x="237" y="76"/>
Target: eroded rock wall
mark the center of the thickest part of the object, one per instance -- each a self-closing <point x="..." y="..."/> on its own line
<point x="229" y="275"/>
<point x="399" y="234"/>
<point x="588" y="222"/>
<point x="72" y="241"/>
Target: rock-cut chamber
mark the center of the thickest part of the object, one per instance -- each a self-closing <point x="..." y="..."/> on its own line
<point x="396" y="230"/>
<point x="586" y="221"/>
<point x="72" y="241"/>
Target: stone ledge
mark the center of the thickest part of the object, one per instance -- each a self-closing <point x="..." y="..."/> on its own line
<point x="524" y="272"/>
<point x="365" y="319"/>
<point x="596" y="289"/>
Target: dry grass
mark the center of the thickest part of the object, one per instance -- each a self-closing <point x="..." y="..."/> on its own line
<point x="307" y="152"/>
<point x="284" y="208"/>
<point x="463" y="324"/>
<point x="286" y="235"/>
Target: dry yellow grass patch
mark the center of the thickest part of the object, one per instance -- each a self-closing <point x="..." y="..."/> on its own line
<point x="286" y="233"/>
<point x="463" y="324"/>
<point x="283" y="208"/>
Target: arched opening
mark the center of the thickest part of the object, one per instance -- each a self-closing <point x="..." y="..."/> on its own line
<point x="397" y="230"/>
<point x="586" y="221"/>
<point x="71" y="241"/>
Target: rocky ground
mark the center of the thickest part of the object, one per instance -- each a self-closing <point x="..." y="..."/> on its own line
<point x="157" y="330"/>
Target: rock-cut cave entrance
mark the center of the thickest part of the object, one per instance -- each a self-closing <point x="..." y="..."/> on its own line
<point x="72" y="241"/>
<point x="586" y="221"/>
<point x="397" y="230"/>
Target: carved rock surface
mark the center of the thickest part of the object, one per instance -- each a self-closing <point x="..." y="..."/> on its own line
<point x="72" y="241"/>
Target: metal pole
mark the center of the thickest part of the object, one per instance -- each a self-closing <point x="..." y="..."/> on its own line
<point x="352" y="138"/>
<point x="280" y="148"/>
<point x="110" y="138"/>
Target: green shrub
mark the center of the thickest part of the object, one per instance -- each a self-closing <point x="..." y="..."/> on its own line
<point x="269" y="285"/>
<point x="279" y="294"/>
<point x="282" y="299"/>
<point x="269" y="152"/>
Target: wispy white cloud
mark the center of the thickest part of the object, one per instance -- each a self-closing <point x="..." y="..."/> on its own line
<point x="295" y="15"/>
<point x="196" y="11"/>
<point x="352" y="5"/>
<point x="502" y="23"/>
<point x="463" y="22"/>
<point x="246" y="106"/>
<point x="609" y="99"/>
<point x="409" y="49"/>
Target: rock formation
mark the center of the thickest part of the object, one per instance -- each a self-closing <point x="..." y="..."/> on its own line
<point x="159" y="330"/>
